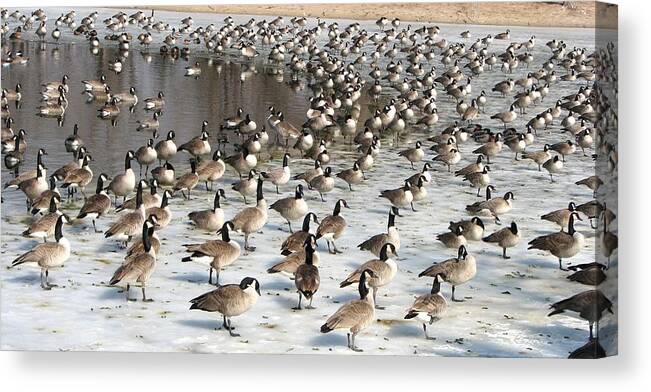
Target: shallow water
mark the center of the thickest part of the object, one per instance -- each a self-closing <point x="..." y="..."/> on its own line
<point x="505" y="316"/>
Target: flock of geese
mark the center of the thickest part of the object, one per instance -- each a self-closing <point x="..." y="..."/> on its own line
<point x="341" y="64"/>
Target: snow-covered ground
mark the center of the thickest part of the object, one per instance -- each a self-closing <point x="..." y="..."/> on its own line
<point x="505" y="308"/>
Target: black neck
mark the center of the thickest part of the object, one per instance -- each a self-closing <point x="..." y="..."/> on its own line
<point x="146" y="239"/>
<point x="165" y="202"/>
<point x="306" y="223"/>
<point x="58" y="229"/>
<point x="488" y="193"/>
<point x="225" y="233"/>
<point x="215" y="203"/>
<point x="298" y="195"/>
<point x="384" y="252"/>
<point x="392" y="219"/>
<point x="309" y="254"/>
<point x="285" y="161"/>
<point x="127" y="162"/>
<point x="259" y="195"/>
<point x="337" y="209"/>
<point x="570" y="226"/>
<point x="100" y="185"/>
<point x="139" y="196"/>
<point x="363" y="290"/>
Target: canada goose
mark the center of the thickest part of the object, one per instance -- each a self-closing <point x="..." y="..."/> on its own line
<point x="323" y="183"/>
<point x="590" y="350"/>
<point x="473" y="229"/>
<point x="217" y="254"/>
<point x="495" y="206"/>
<point x="54" y="86"/>
<point x="504" y="87"/>
<point x="124" y="183"/>
<point x="209" y="220"/>
<point x="44" y="226"/>
<point x="98" y="204"/>
<point x="29" y="174"/>
<point x="507" y="237"/>
<point x="449" y="158"/>
<point x="34" y="187"/>
<point x="490" y="148"/>
<point x="384" y="269"/>
<point x="151" y="199"/>
<point x="127" y="98"/>
<point x="295" y="241"/>
<point x="281" y="175"/>
<point x="608" y="240"/>
<point x="560" y="217"/>
<point x="109" y="111"/>
<point x="517" y="144"/>
<point x="588" y="305"/>
<point x="591" y="274"/>
<point x="194" y="70"/>
<point x="553" y="166"/>
<point x="333" y="226"/>
<point x="506" y="117"/>
<point x="149" y="124"/>
<point x="592" y="182"/>
<point x="289" y="264"/>
<point x="139" y="267"/>
<point x="479" y="179"/>
<point x="377" y="242"/>
<point x="399" y="197"/>
<point x="247" y="186"/>
<point x="162" y="213"/>
<point x="48" y="255"/>
<point x="308" y="175"/>
<point x="504" y="35"/>
<point x="352" y="176"/>
<point x="291" y="208"/>
<point x="453" y="239"/>
<point x="166" y="149"/>
<point x="251" y="219"/>
<point x="242" y="161"/>
<point x="366" y="161"/>
<point x="413" y="155"/>
<point x="187" y="181"/>
<point x="355" y="315"/>
<point x="478" y="166"/>
<point x="146" y="155"/>
<point x="230" y="300"/>
<point x="307" y="278"/>
<point x="455" y="271"/>
<point x="429" y="307"/>
<point x="424" y="175"/>
<point x="42" y="202"/>
<point x="165" y="175"/>
<point x="197" y="146"/>
<point x="13" y="95"/>
<point x="540" y="157"/>
<point x="95" y="84"/>
<point x="129" y="224"/>
<point x="73" y="142"/>
<point x="79" y="178"/>
<point x="212" y="170"/>
<point x="564" y="148"/>
<point x="562" y="245"/>
<point x="156" y="103"/>
<point x="76" y="163"/>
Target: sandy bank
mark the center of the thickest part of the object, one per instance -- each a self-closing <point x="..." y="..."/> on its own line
<point x="544" y="14"/>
